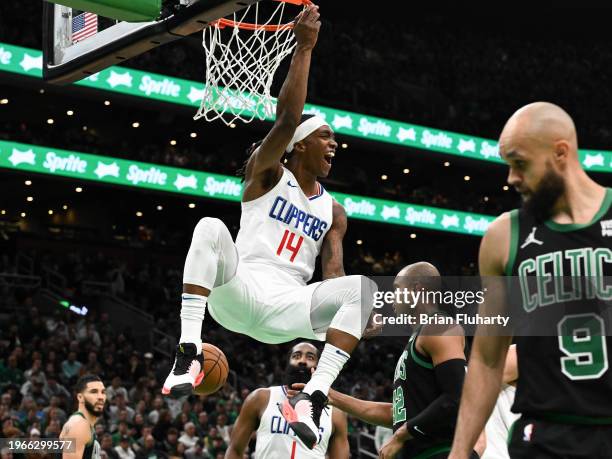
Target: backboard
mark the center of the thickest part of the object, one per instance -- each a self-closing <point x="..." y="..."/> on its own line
<point x="102" y="42"/>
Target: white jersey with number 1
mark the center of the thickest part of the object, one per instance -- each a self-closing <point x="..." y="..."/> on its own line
<point x="276" y="440"/>
<point x="283" y="230"/>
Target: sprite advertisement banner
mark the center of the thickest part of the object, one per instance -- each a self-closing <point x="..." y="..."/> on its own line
<point x="124" y="80"/>
<point x="105" y="169"/>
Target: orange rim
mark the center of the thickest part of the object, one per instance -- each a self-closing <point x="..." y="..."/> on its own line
<point x="221" y="23"/>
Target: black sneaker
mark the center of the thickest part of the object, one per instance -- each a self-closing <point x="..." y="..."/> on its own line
<point x="303" y="413"/>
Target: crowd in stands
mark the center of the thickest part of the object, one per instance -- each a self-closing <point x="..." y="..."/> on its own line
<point x="42" y="353"/>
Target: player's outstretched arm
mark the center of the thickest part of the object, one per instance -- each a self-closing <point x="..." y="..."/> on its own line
<point x="76" y="429"/>
<point x="247" y="422"/>
<point x="437" y="419"/>
<point x="375" y="413"/>
<point x="291" y="99"/>
<point x="332" y="262"/>
<point x="338" y="443"/>
<point x="488" y="356"/>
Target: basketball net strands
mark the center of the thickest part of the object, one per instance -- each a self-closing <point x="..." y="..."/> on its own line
<point x="241" y="60"/>
<point x="244" y="43"/>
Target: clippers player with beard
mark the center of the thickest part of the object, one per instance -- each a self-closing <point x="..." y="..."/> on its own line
<point x="564" y="228"/>
<point x="275" y="439"/>
<point x="91" y="397"/>
<point x="258" y="285"/>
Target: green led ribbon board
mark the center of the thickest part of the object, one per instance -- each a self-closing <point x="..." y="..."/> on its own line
<point x="105" y="169"/>
<point x="123" y="80"/>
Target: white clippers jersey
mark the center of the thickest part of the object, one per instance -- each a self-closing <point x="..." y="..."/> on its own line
<point x="498" y="425"/>
<point x="284" y="229"/>
<point x="275" y="440"/>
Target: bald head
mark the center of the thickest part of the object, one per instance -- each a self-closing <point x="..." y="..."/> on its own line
<point x="418" y="272"/>
<point x="540" y="122"/>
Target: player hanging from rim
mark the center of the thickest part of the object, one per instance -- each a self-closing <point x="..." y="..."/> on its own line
<point x="427" y="382"/>
<point x="257" y="286"/>
<point x="565" y="383"/>
<point x="260" y="413"/>
<point x="91" y="397"/>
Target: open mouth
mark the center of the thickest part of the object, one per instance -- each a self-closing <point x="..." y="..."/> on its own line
<point x="328" y="157"/>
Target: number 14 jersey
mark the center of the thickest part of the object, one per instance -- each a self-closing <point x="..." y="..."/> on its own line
<point x="284" y="229"/>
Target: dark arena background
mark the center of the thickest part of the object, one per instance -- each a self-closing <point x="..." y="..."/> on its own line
<point x="91" y="263"/>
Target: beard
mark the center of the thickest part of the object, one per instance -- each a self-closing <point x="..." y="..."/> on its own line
<point x="92" y="409"/>
<point x="541" y="202"/>
<point x="296" y="374"/>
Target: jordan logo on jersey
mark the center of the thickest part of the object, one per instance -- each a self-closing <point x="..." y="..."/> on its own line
<point x="288" y="213"/>
<point x="531" y="239"/>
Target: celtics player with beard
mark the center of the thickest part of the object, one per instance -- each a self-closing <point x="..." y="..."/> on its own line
<point x="91" y="397"/>
<point x="564" y="390"/>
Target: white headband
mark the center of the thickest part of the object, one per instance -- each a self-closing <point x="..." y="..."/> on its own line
<point x="305" y="129"/>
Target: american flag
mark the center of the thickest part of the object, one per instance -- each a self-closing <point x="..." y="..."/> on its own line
<point x="84" y="25"/>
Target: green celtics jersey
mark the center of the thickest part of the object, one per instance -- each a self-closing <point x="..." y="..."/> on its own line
<point x="414" y="389"/>
<point x="92" y="449"/>
<point x="565" y="300"/>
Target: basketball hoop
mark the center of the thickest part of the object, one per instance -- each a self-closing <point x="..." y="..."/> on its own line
<point x="242" y="56"/>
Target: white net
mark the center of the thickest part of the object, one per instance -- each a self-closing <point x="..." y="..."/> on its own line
<point x="241" y="63"/>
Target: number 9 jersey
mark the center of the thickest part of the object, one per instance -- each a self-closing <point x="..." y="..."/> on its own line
<point x="283" y="230"/>
<point x="563" y="346"/>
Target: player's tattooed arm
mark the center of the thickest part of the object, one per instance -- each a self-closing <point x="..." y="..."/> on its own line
<point x="76" y="429"/>
<point x="332" y="262"/>
<point x="338" y="444"/>
<point x="290" y="104"/>
<point x="247" y="423"/>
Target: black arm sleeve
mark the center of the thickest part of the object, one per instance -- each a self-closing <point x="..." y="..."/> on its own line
<point x="440" y="417"/>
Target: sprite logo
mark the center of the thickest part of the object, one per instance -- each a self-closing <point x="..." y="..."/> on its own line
<point x="152" y="175"/>
<point x="361" y="207"/>
<point x="440" y="140"/>
<point x="378" y="127"/>
<point x="166" y="87"/>
<point x="227" y="187"/>
<point x="72" y="163"/>
<point x="424" y="216"/>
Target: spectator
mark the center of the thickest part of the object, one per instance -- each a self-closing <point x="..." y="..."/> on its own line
<point x="55" y="389"/>
<point x="106" y="443"/>
<point x="119" y="404"/>
<point x="122" y="431"/>
<point x="115" y="388"/>
<point x="189" y="437"/>
<point x="10" y="372"/>
<point x="150" y="451"/>
<point x="124" y="450"/>
<point x="197" y="452"/>
<point x="158" y="405"/>
<point x="222" y="427"/>
<point x="71" y="367"/>
<point x="171" y="443"/>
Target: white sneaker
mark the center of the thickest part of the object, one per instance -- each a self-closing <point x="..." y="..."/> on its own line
<point x="186" y="373"/>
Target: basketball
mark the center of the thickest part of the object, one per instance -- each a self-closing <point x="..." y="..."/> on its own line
<point x="216" y="370"/>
